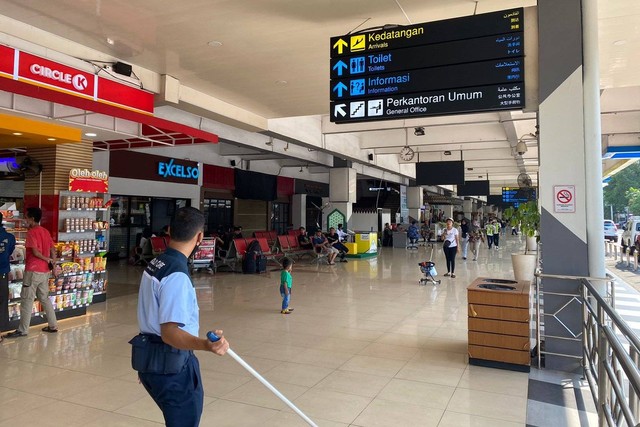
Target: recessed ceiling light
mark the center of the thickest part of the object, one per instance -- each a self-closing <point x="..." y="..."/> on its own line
<point x="619" y="42"/>
<point x="215" y="43"/>
<point x="469" y="169"/>
<point x="91" y="134"/>
<point x="282" y="82"/>
<point x="17" y="133"/>
<point x="111" y="41"/>
<point x="51" y="139"/>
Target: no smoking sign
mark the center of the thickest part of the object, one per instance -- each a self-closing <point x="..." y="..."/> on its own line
<point x="564" y="198"/>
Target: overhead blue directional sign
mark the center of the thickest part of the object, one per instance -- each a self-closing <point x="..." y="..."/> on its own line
<point x="433" y="103"/>
<point x="426" y="79"/>
<point x="473" y="63"/>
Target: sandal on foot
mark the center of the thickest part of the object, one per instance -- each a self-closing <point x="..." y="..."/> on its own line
<point x="453" y="276"/>
<point x="50" y="330"/>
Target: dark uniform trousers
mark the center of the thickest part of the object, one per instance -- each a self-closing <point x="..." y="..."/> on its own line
<point x="179" y="396"/>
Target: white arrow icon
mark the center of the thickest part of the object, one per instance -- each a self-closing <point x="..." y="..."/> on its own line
<point x="339" y="110"/>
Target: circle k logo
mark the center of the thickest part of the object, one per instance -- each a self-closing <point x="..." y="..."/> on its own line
<point x="80" y="82"/>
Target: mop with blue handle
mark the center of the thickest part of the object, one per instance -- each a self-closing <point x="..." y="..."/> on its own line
<point x="213" y="338"/>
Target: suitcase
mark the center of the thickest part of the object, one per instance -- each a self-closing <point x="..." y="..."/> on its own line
<point x="261" y="264"/>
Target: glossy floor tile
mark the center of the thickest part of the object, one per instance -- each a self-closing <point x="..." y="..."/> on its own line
<point x="365" y="346"/>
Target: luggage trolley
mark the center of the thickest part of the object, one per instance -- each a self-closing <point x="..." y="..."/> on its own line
<point x="204" y="256"/>
<point x="428" y="268"/>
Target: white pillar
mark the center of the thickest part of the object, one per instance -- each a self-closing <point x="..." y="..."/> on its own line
<point x="592" y="140"/>
<point x="342" y="192"/>
<point x="299" y="210"/>
<point x="414" y="202"/>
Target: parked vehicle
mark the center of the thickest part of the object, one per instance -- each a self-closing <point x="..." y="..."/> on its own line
<point x="610" y="230"/>
<point x="631" y="229"/>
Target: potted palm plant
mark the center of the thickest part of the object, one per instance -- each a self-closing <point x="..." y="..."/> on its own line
<point x="527" y="217"/>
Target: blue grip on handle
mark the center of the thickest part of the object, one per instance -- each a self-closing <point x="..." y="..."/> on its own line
<point x="212" y="336"/>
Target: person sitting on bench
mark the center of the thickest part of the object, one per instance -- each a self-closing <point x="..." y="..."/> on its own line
<point x="303" y="239"/>
<point x="322" y="245"/>
<point x="334" y="240"/>
<point x="413" y="235"/>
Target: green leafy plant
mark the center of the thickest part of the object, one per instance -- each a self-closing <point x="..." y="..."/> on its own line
<point x="526" y="215"/>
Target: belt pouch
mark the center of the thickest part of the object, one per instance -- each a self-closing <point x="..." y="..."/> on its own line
<point x="149" y="355"/>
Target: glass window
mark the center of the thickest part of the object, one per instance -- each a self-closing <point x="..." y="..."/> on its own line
<point x="218" y="214"/>
<point x="280" y="217"/>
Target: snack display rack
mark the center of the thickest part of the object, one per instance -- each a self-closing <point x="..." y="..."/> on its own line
<point x="84" y="234"/>
<point x="80" y="276"/>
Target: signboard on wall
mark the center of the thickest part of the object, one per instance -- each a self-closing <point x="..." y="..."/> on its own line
<point x="38" y="71"/>
<point x="564" y="198"/>
<point x="87" y="181"/>
<point x="467" y="64"/>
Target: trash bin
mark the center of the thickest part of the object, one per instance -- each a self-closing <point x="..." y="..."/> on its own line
<point x="499" y="323"/>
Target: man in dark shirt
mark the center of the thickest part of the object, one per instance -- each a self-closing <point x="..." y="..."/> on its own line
<point x="334" y="240"/>
<point x="303" y="239"/>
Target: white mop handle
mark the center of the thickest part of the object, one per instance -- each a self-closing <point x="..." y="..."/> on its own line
<point x="213" y="337"/>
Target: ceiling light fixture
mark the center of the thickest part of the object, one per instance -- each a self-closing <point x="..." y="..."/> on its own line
<point x="51" y="139"/>
<point x="619" y="42"/>
<point x="91" y="134"/>
<point x="214" y="43"/>
<point x="110" y="41"/>
<point x="447" y="153"/>
<point x="419" y="131"/>
<point x="17" y="133"/>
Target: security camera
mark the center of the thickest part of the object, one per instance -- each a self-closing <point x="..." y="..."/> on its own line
<point x="419" y="131"/>
<point x="521" y="148"/>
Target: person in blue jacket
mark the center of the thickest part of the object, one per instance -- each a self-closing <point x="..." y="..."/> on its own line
<point x="7" y="246"/>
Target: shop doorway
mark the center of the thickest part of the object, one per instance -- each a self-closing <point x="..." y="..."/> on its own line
<point x="219" y="215"/>
<point x="280" y="217"/>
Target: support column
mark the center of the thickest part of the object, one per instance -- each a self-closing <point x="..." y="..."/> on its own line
<point x="414" y="202"/>
<point x="467" y="208"/>
<point x="44" y="190"/>
<point x="299" y="210"/>
<point x="342" y="195"/>
<point x="570" y="155"/>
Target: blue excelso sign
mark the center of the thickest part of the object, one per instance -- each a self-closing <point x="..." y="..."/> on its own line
<point x="170" y="169"/>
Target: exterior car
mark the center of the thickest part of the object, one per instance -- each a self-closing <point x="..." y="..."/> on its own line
<point x="631" y="229"/>
<point x="610" y="230"/>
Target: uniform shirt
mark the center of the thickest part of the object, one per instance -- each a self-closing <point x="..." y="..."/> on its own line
<point x="489" y="229"/>
<point x="496" y="228"/>
<point x="286" y="279"/>
<point x="167" y="295"/>
<point x="38" y="237"/>
<point x="7" y="245"/>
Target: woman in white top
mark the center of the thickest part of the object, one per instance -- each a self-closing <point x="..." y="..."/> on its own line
<point x="451" y="242"/>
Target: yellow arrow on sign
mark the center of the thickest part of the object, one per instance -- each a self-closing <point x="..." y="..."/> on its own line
<point x="340" y="44"/>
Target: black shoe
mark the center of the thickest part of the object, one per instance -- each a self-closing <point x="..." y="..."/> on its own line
<point x="15" y="334"/>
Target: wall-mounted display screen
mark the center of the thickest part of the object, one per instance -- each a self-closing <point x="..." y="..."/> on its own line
<point x="440" y="173"/>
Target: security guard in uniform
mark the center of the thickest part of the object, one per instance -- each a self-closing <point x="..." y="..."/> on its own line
<point x="168" y="317"/>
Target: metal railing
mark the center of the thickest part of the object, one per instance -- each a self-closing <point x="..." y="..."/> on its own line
<point x="610" y="352"/>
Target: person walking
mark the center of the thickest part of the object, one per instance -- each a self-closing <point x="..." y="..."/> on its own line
<point x="286" y="281"/>
<point x="7" y="246"/>
<point x="39" y="261"/>
<point x="488" y="229"/>
<point x="168" y="318"/>
<point x="450" y="244"/>
<point x="496" y="233"/>
<point x="464" y="234"/>
<point x="475" y="237"/>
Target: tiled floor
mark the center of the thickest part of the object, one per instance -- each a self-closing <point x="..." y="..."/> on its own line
<point x="366" y="346"/>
